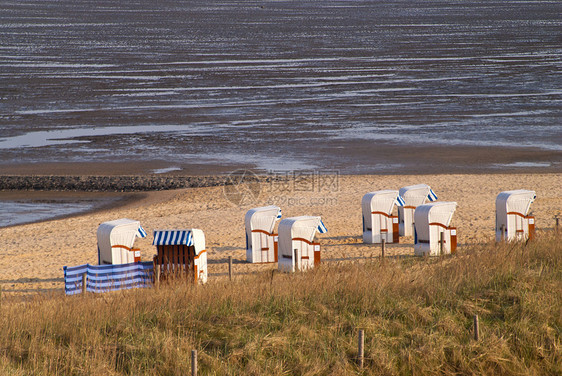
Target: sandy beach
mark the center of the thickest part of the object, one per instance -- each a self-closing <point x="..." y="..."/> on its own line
<point x="34" y="254"/>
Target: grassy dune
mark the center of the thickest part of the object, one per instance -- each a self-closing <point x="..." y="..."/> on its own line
<point x="416" y="313"/>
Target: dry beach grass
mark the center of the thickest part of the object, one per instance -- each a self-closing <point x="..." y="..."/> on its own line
<point x="416" y="313"/>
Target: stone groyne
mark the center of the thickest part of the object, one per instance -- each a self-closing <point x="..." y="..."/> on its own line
<point x="118" y="183"/>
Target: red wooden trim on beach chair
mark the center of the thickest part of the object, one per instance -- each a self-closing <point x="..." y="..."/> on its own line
<point x="122" y="246"/>
<point x="453" y="239"/>
<point x="303" y="240"/>
<point x="395" y="230"/>
<point x="262" y="231"/>
<point x="438" y="224"/>
<point x="316" y="256"/>
<point x="531" y="226"/>
<point x="381" y="213"/>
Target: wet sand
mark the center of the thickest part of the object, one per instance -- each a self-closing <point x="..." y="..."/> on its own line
<point x="114" y="168"/>
<point x="33" y="255"/>
<point x="345" y="157"/>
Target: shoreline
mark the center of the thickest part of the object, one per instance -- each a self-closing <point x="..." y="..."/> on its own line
<point x="106" y="200"/>
<point x="124" y="191"/>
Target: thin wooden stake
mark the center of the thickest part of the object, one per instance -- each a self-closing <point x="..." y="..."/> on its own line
<point x="476" y="328"/>
<point x="557" y="219"/>
<point x="157" y="278"/>
<point x="297" y="259"/>
<point x="502" y="229"/>
<point x="361" y="348"/>
<point x="383" y="243"/>
<point x="441" y="243"/>
<point x="84" y="282"/>
<point x="193" y="362"/>
<point x="230" y="268"/>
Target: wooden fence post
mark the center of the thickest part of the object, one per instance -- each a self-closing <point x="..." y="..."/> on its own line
<point x="84" y="282"/>
<point x="157" y="276"/>
<point x="557" y="219"/>
<point x="476" y="328"/>
<point x="193" y="362"/>
<point x="230" y="268"/>
<point x="361" y="348"/>
<point x="297" y="259"/>
<point x="383" y="243"/>
<point x="441" y="243"/>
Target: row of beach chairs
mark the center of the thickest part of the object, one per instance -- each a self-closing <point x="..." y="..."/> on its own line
<point x="294" y="246"/>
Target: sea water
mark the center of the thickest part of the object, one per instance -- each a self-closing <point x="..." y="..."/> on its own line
<point x="275" y="83"/>
<point x="15" y="212"/>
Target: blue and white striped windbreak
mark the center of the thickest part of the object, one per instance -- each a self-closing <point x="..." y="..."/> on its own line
<point x="279" y="215"/>
<point x="400" y="201"/>
<point x="105" y="278"/>
<point x="322" y="228"/>
<point x="141" y="233"/>
<point x="173" y="237"/>
<point x="431" y="195"/>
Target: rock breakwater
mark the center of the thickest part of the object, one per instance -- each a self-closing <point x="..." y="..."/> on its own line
<point x="115" y="183"/>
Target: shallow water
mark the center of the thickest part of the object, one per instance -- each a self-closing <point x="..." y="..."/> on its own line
<point x="20" y="207"/>
<point x="26" y="211"/>
<point x="280" y="85"/>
